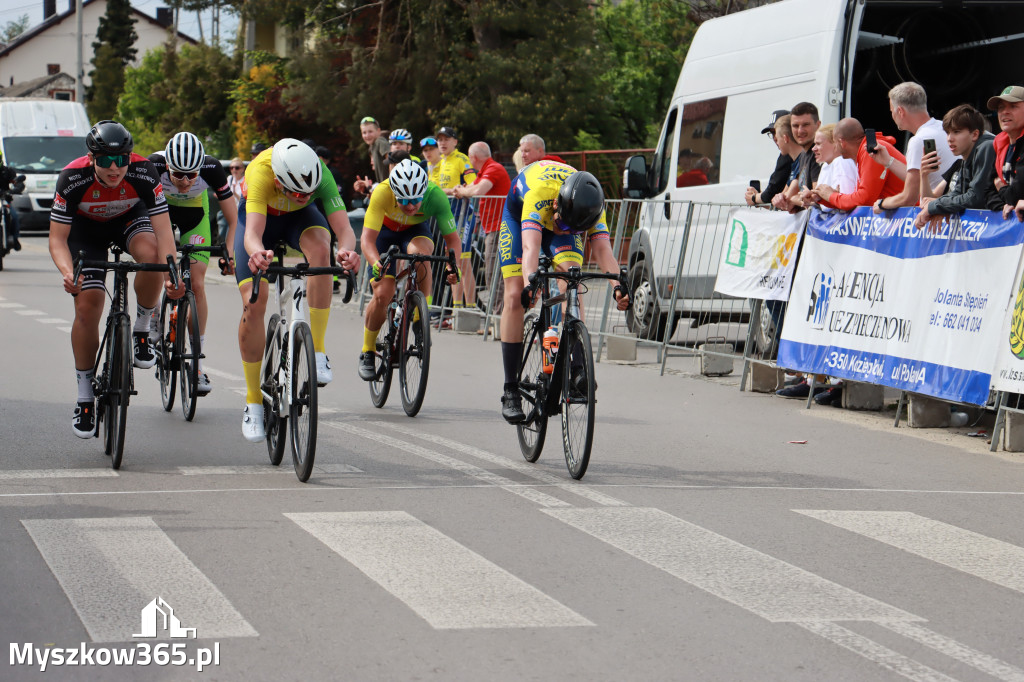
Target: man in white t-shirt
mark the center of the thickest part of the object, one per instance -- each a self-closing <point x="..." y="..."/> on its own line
<point x="909" y="106"/>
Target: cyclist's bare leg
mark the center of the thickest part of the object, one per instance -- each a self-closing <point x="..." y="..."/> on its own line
<point x="199" y="289"/>
<point x="148" y="285"/>
<point x="251" y="334"/>
<point x="424" y="247"/>
<point x="85" y="330"/>
<point x="316" y="247"/>
<point x="512" y="313"/>
<point x="466" y="288"/>
<point x="377" y="308"/>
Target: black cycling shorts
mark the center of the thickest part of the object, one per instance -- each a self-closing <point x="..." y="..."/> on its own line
<point x="95" y="238"/>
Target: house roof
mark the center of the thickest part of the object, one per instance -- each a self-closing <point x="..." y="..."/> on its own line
<point x="21" y="89"/>
<point x="69" y="14"/>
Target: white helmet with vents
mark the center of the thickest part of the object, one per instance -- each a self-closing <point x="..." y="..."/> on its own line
<point x="185" y="153"/>
<point x="408" y="180"/>
<point x="296" y="166"/>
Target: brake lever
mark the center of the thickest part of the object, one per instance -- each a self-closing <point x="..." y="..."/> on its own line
<point x="173" y="270"/>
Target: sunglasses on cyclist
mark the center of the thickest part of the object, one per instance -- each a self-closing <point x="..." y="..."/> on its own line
<point x="301" y="196"/>
<point x="410" y="202"/>
<point x="107" y="160"/>
<point x="181" y="175"/>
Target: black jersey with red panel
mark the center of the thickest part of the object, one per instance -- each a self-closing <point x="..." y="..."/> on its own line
<point x="80" y="193"/>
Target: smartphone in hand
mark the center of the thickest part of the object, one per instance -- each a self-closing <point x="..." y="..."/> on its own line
<point x="872" y="140"/>
<point x="929" y="145"/>
<point x="756" y="184"/>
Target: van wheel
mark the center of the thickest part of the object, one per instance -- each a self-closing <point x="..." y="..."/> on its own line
<point x="765" y="335"/>
<point x="644" y="316"/>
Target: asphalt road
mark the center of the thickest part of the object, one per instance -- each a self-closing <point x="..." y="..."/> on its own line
<point x="701" y="545"/>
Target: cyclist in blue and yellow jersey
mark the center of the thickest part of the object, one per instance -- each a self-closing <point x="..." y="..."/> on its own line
<point x="550" y="207"/>
<point x="186" y="172"/>
<point x="399" y="211"/>
<point x="453" y="170"/>
<point x="281" y="185"/>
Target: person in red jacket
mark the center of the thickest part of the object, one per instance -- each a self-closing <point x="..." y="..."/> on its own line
<point x="873" y="185"/>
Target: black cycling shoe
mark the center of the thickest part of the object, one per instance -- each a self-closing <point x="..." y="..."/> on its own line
<point x="367" y="371"/>
<point x="84" y="421"/>
<point x="144" y="356"/>
<point x="512" y="407"/>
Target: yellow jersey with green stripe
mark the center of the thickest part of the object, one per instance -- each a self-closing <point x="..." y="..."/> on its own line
<point x="453" y="170"/>
<point x="384" y="210"/>
<point x="530" y="202"/>
<point x="262" y="195"/>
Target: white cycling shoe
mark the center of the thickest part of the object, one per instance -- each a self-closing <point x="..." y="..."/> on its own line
<point x="324" y="375"/>
<point x="252" y="423"/>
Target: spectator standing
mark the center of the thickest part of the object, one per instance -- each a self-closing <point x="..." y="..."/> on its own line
<point x="236" y="175"/>
<point x="453" y="170"/>
<point x="779" y="176"/>
<point x="531" y="148"/>
<point x="835" y="170"/>
<point x="492" y="181"/>
<point x="804" y="123"/>
<point x="1009" y="150"/>
<point x="872" y="186"/>
<point x="369" y="128"/>
<point x="431" y="154"/>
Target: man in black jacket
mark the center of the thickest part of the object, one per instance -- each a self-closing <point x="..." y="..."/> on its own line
<point x="779" y="176"/>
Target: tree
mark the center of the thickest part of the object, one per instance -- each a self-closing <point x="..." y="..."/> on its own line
<point x="113" y="52"/>
<point x="13" y="29"/>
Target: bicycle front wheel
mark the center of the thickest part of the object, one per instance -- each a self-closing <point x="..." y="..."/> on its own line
<point x="533" y="384"/>
<point x="381" y="384"/>
<point x="186" y="344"/>
<point x="577" y="398"/>
<point x="275" y="425"/>
<point x="415" y="355"/>
<point x="166" y="360"/>
<point x="120" y="390"/>
<point x="302" y="409"/>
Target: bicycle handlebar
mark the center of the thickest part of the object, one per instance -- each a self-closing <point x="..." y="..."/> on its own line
<point x="304" y="270"/>
<point x="394" y="253"/>
<point x="574" y="275"/>
<point x="121" y="266"/>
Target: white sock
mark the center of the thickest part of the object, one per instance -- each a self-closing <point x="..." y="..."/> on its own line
<point x="202" y="346"/>
<point x="84" y="378"/>
<point x="142" y="318"/>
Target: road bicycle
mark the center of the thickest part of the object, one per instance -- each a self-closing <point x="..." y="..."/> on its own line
<point x="288" y="382"/>
<point x="404" y="339"/>
<point x="114" y="383"/>
<point x="559" y="377"/>
<point x="178" y="348"/>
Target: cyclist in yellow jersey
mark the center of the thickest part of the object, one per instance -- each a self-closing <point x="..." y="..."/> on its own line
<point x="281" y="185"/>
<point x="453" y="170"/>
<point x="550" y="207"/>
<point x="399" y="211"/>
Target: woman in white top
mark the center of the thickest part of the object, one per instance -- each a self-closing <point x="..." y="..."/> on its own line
<point x="836" y="171"/>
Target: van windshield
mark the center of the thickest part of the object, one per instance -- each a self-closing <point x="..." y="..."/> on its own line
<point x="42" y="154"/>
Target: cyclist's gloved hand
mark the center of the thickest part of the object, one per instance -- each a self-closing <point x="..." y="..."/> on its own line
<point x="621" y="294"/>
<point x="526" y="298"/>
<point x="376" y="270"/>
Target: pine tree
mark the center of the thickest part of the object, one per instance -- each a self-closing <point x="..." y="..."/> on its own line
<point x="113" y="52"/>
<point x="117" y="29"/>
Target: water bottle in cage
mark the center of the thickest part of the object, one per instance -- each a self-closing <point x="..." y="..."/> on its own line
<point x="398" y="314"/>
<point x="550" y="349"/>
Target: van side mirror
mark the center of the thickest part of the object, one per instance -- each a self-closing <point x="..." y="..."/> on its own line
<point x="634" y="178"/>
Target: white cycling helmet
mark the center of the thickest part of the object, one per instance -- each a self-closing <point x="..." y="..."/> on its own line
<point x="296" y="166"/>
<point x="400" y="135"/>
<point x="185" y="153"/>
<point x="408" y="180"/>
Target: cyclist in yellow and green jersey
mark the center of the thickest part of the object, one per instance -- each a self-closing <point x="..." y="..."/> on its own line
<point x="399" y="211"/>
<point x="281" y="185"/>
<point x="453" y="170"/>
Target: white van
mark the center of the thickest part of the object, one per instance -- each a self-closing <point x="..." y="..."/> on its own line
<point x="38" y="137"/>
<point x="841" y="55"/>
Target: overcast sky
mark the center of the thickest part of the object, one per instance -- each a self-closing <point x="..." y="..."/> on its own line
<point x="11" y="10"/>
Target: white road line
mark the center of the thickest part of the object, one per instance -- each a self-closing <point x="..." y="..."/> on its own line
<point x="874" y="651"/>
<point x="223" y="375"/>
<point x="53" y="320"/>
<point x="961" y="652"/>
<point x="11" y="304"/>
<point x="520" y="467"/>
<point x="30" y="313"/>
<point x="444" y="582"/>
<point x="530" y="494"/>
<point x="771" y="588"/>
<point x="975" y="554"/>
<point x="260" y="469"/>
<point x="110" y="568"/>
<point x="64" y="329"/>
<point x="29" y="474"/>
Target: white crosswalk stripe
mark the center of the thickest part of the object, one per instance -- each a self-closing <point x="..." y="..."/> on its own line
<point x="111" y="568"/>
<point x="30" y="313"/>
<point x="435" y="576"/>
<point x="31" y="474"/>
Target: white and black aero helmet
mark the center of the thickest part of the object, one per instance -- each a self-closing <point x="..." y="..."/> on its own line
<point x="185" y="153"/>
<point x="296" y="166"/>
<point x="408" y="180"/>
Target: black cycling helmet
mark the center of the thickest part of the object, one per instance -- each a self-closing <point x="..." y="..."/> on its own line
<point x="109" y="137"/>
<point x="580" y="202"/>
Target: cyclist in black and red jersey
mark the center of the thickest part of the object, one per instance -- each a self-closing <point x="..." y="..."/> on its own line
<point x="110" y="196"/>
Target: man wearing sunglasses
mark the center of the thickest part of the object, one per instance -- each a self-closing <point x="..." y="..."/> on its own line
<point x="186" y="172"/>
<point x="281" y="186"/>
<point x="399" y="213"/>
<point x="110" y="196"/>
<point x="550" y="207"/>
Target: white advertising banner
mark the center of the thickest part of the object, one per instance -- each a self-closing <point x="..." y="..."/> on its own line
<point x="759" y="253"/>
<point x="876" y="300"/>
<point x="1009" y="371"/>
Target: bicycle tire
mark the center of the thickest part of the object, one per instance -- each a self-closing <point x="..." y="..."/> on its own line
<point x="380" y="386"/>
<point x="302" y="410"/>
<point x="415" y="354"/>
<point x="120" y="389"/>
<point x="274" y="424"/>
<point x="533" y="383"/>
<point x="166" y="359"/>
<point x="186" y="344"/>
<point x="103" y="411"/>
<point x="577" y="403"/>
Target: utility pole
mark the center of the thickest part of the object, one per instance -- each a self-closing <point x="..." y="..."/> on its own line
<point x="80" y="72"/>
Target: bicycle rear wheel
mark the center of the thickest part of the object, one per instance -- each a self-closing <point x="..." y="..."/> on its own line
<point x="415" y="354"/>
<point x="577" y="398"/>
<point x="187" y="344"/>
<point x="533" y="384"/>
<point x="274" y="424"/>
<point x="166" y="360"/>
<point x="381" y="384"/>
<point x="119" y="390"/>
<point x="302" y="411"/>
